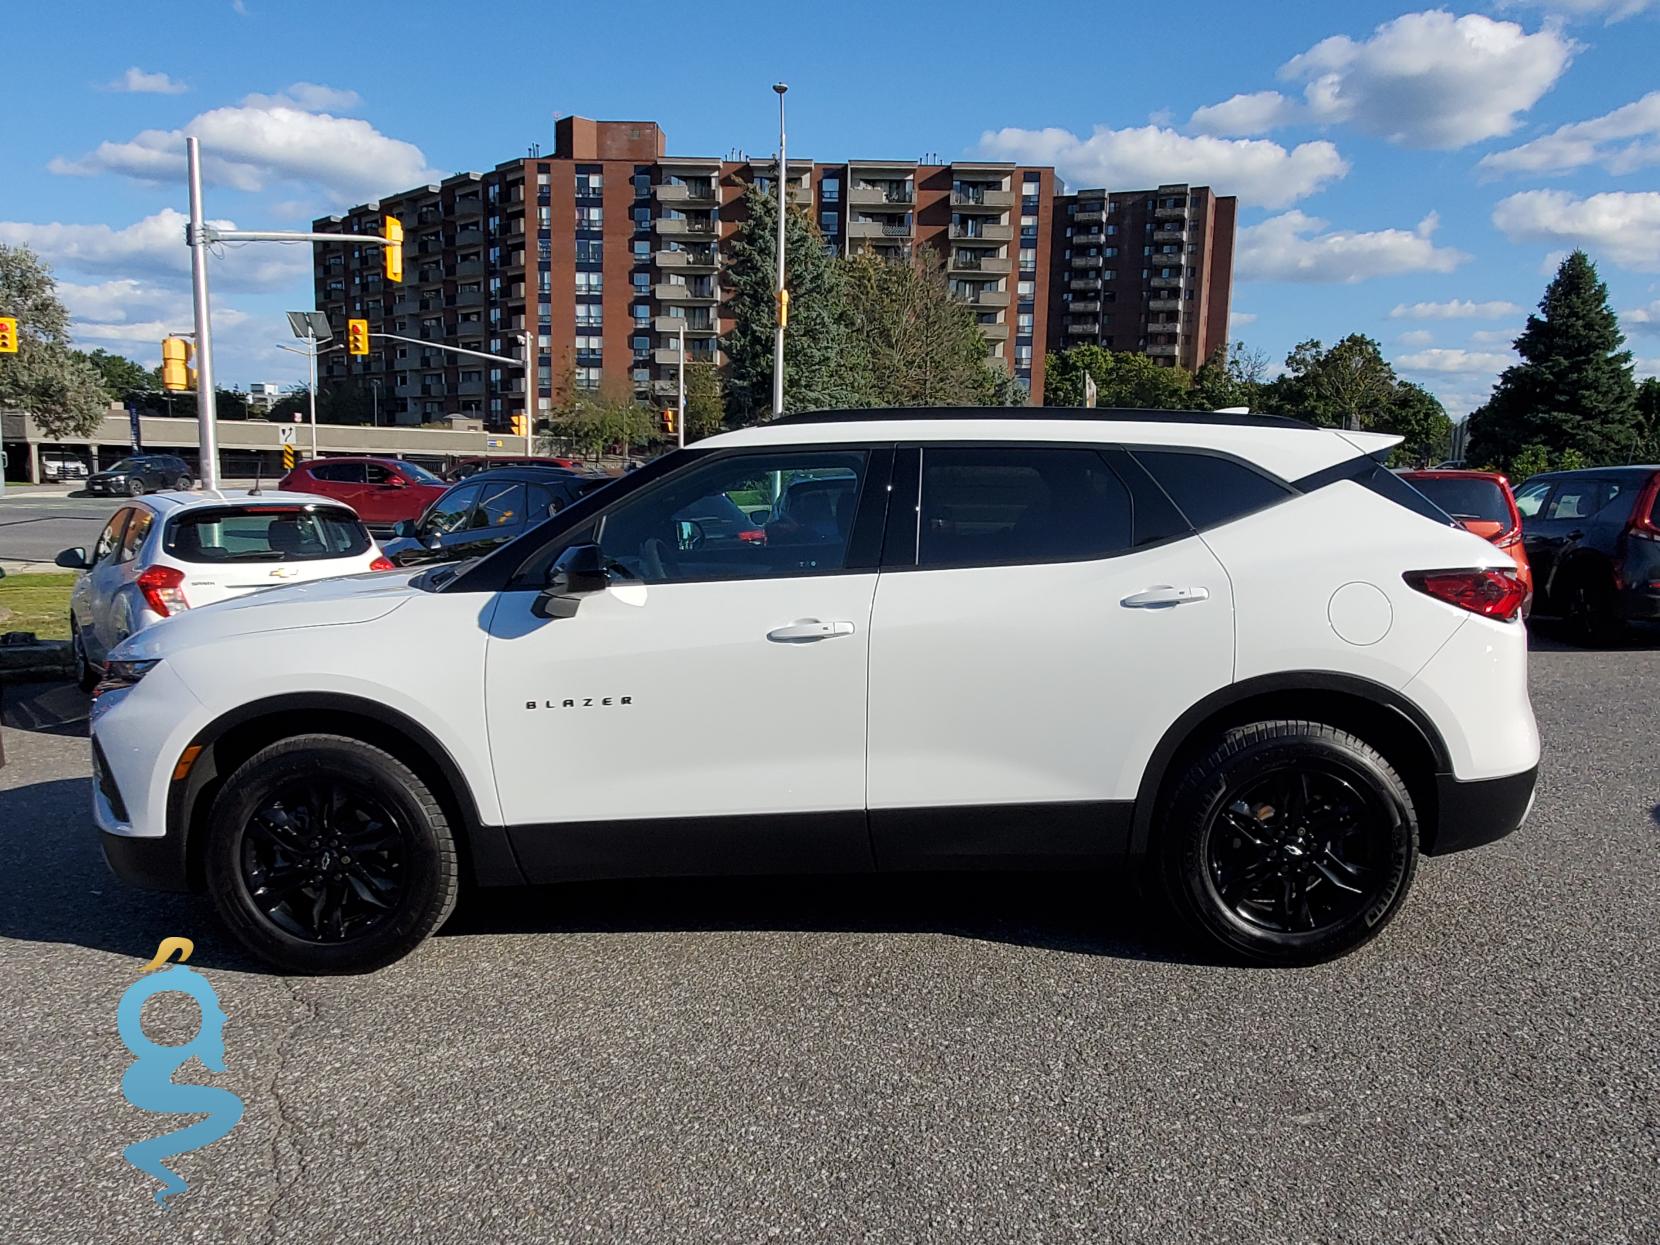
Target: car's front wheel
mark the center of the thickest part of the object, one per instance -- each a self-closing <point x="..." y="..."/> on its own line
<point x="1289" y="842"/>
<point x="86" y="674"/>
<point x="135" y="487"/>
<point x="328" y="855"/>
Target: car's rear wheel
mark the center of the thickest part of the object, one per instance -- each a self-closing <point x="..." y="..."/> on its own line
<point x="135" y="487"/>
<point x="86" y="675"/>
<point x="1289" y="842"/>
<point x="1591" y="610"/>
<point x="328" y="855"/>
<point x="183" y="484"/>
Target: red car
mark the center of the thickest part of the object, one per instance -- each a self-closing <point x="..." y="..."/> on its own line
<point x="381" y="490"/>
<point x="1484" y="503"/>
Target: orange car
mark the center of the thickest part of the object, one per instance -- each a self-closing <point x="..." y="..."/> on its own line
<point x="1484" y="503"/>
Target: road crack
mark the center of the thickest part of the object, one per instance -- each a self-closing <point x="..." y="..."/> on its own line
<point x="285" y="1137"/>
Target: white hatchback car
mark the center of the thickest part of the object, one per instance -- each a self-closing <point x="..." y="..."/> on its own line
<point x="168" y="552"/>
<point x="1235" y="651"/>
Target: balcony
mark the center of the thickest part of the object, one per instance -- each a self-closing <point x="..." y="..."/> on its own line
<point x="987" y="297"/>
<point x="1164" y="304"/>
<point x="468" y="206"/>
<point x="672" y="227"/>
<point x="687" y="261"/>
<point x="1088" y="261"/>
<point x="470" y="389"/>
<point x="878" y="229"/>
<point x="1083" y="328"/>
<point x="1170" y="213"/>
<point x="693" y="327"/>
<point x="472" y="268"/>
<point x="469" y="235"/>
<point x="667" y="387"/>
<point x="995" y="332"/>
<point x="470" y="298"/>
<point x="1085" y="283"/>
<point x="977" y="263"/>
<point x="1084" y="306"/>
<point x="973" y="198"/>
<point x="982" y="233"/>
<point x="671" y="194"/>
<point x="1089" y="216"/>
<point x="669" y="292"/>
<point x="1163" y="350"/>
<point x="1166" y="283"/>
<point x="1168" y="233"/>
<point x="1096" y="238"/>
<point x="882" y="196"/>
<point x="669" y="356"/>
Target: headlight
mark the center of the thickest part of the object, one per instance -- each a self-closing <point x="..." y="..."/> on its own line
<point x="123" y="673"/>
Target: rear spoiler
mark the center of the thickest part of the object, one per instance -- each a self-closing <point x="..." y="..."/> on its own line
<point x="1375" y="445"/>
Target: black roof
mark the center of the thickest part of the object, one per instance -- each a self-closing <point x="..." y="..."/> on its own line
<point x="1106" y="414"/>
<point x="1629" y="468"/>
<point x="527" y="473"/>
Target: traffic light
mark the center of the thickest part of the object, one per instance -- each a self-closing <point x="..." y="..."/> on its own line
<point x="8" y="334"/>
<point x="521" y="425"/>
<point x="668" y="420"/>
<point x="357" y="336"/>
<point x="392" y="252"/>
<point x="176" y="373"/>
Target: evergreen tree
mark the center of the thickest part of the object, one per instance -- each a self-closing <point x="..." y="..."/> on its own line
<point x="54" y="383"/>
<point x="1648" y="422"/>
<point x="816" y="373"/>
<point x="1573" y="389"/>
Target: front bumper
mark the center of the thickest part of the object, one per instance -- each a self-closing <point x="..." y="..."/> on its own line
<point x="151" y="864"/>
<point x="1479" y="811"/>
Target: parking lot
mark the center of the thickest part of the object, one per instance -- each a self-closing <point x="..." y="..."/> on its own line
<point x="949" y="1060"/>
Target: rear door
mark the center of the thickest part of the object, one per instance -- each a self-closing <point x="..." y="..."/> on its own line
<point x="1572" y="519"/>
<point x="1043" y="614"/>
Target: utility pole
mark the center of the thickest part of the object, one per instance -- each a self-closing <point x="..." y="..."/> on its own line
<point x="680" y="419"/>
<point x="311" y="358"/>
<point x="783" y="310"/>
<point x="207" y="426"/>
<point x="532" y="398"/>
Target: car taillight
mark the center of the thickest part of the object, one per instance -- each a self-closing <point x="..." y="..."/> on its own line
<point x="163" y="590"/>
<point x="753" y="537"/>
<point x="382" y="563"/>
<point x="1492" y="593"/>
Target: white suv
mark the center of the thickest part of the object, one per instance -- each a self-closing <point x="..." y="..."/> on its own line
<point x="1233" y="650"/>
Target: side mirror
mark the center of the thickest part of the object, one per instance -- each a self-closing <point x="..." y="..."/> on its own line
<point x="404" y="529"/>
<point x="688" y="534"/>
<point x="395" y="482"/>
<point x="760" y="517"/>
<point x="73" y="559"/>
<point x="579" y="572"/>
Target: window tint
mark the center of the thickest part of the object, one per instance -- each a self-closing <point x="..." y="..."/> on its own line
<point x="266" y="534"/>
<point x="500" y="505"/>
<point x="450" y="512"/>
<point x="374" y="473"/>
<point x="1532" y="496"/>
<point x="723" y="519"/>
<point x="109" y="540"/>
<point x="1210" y="490"/>
<point x="138" y="527"/>
<point x="418" y="475"/>
<point x="339" y="473"/>
<point x="994" y="506"/>
<point x="1581" y="499"/>
<point x="545" y="501"/>
<point x="1464" y="497"/>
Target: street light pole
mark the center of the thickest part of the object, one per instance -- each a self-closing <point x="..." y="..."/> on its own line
<point x="311" y="356"/>
<point x="207" y="436"/>
<point x="531" y="400"/>
<point x="780" y="311"/>
<point x="680" y="418"/>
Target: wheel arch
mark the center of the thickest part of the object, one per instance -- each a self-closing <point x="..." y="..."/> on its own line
<point x="1376" y="713"/>
<point x="233" y="737"/>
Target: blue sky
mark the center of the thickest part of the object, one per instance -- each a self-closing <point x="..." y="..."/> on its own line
<point x="1408" y="173"/>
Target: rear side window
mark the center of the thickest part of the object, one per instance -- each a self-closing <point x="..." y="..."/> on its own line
<point x="339" y="473"/>
<point x="1210" y="490"/>
<point x="995" y="506"/>
<point x="266" y="534"/>
<point x="1583" y="498"/>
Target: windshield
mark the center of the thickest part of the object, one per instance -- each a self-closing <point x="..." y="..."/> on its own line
<point x="419" y="474"/>
<point x="266" y="534"/>
<point x="1464" y="497"/>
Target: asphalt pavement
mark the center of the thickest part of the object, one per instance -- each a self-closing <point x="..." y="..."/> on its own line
<point x="34" y="529"/>
<point x="981" y="1059"/>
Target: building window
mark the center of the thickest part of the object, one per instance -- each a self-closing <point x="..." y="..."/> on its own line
<point x="589" y="251"/>
<point x="828" y="222"/>
<point x="589" y="185"/>
<point x="1028" y="259"/>
<point x="1026" y="289"/>
<point x="587" y="377"/>
<point x="642" y="252"/>
<point x="588" y="315"/>
<point x="589" y="282"/>
<point x="642" y="281"/>
<point x="641" y="312"/>
<point x="830" y="190"/>
<point x="1023" y="323"/>
<point x="642" y="218"/>
<point x="590" y="218"/>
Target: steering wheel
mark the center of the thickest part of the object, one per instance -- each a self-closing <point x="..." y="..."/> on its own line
<point x="656" y="560"/>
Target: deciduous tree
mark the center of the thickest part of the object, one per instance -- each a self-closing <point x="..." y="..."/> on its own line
<point x="47" y="378"/>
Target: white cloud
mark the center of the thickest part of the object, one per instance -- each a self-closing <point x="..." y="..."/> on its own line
<point x="1416" y="337"/>
<point x="1454" y="361"/>
<point x="1258" y="171"/>
<point x="1256" y="113"/>
<point x="1456" y="309"/>
<point x="1430" y="79"/>
<point x="1620" y="225"/>
<point x="138" y="82"/>
<point x="1644" y="320"/>
<point x="154" y="248"/>
<point x="1610" y="11"/>
<point x="1620" y="141"/>
<point x="1488" y="337"/>
<point x="1239" y="319"/>
<point x="1646" y="367"/>
<point x="267" y="140"/>
<point x="1293" y="247"/>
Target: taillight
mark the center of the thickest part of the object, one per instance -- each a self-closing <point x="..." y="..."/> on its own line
<point x="382" y="563"/>
<point x="1492" y="593"/>
<point x="753" y="537"/>
<point x="163" y="589"/>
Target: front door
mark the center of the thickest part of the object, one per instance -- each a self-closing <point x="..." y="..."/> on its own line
<point x="95" y="592"/>
<point x="706" y="713"/>
<point x="1033" y="634"/>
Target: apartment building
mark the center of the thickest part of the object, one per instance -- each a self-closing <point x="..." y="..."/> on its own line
<point x="1143" y="270"/>
<point x="606" y="248"/>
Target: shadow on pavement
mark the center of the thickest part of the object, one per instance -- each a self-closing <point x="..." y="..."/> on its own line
<point x="1547" y="635"/>
<point x="47" y="708"/>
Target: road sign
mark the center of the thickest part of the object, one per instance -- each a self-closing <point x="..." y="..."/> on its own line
<point x="494" y="443"/>
<point x="285" y="434"/>
<point x="288" y="458"/>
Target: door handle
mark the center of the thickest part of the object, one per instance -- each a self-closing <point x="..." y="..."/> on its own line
<point x="1164" y="594"/>
<point x="806" y="630"/>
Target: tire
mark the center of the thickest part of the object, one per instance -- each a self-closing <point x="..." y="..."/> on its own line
<point x="135" y="488"/>
<point x="1271" y="884"/>
<point x="184" y="484"/>
<point x="298" y="899"/>
<point x="86" y="677"/>
<point x="1591" y="611"/>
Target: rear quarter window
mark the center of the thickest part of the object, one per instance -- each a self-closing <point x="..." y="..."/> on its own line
<point x="1208" y="489"/>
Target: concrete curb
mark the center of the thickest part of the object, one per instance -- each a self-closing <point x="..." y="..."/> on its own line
<point x="42" y="659"/>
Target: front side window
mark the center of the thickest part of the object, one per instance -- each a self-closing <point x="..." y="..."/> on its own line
<point x="1530" y="497"/>
<point x="752" y="516"/>
<point x="500" y="505"/>
<point x="451" y="512"/>
<point x="994" y="506"/>
<point x="109" y="540"/>
<point x="137" y="529"/>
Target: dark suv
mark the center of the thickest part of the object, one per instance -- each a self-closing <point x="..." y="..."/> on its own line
<point x="486" y="509"/>
<point x="1593" y="538"/>
<point x="141" y="473"/>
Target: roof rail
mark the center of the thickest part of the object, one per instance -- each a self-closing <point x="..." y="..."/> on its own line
<point x="1107" y="415"/>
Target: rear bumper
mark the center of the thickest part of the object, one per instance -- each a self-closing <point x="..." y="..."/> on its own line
<point x="1640" y="604"/>
<point x="1479" y="811"/>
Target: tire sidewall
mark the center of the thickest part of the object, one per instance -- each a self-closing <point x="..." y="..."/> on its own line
<point x="1191" y="824"/>
<point x="431" y="855"/>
